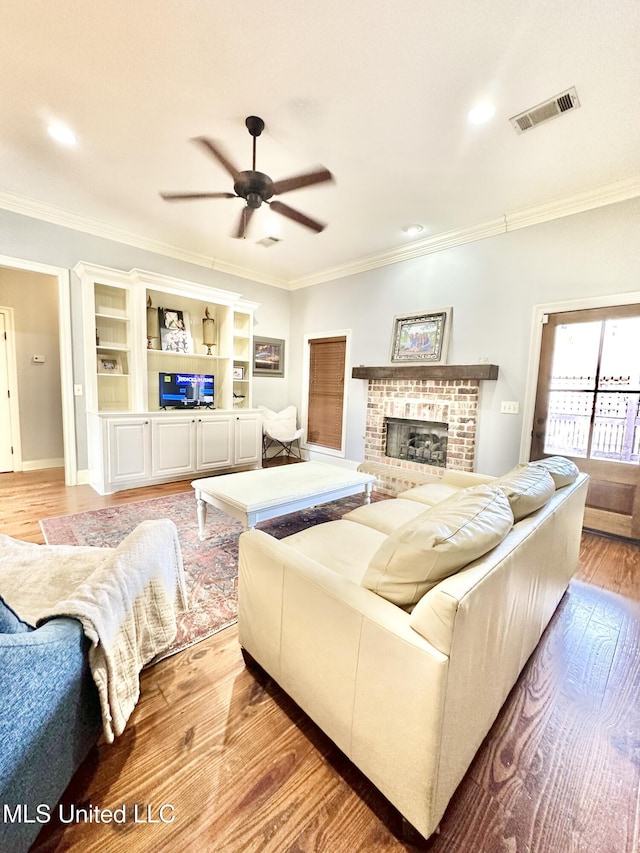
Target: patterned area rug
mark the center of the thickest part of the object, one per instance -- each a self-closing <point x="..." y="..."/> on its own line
<point x="211" y="567"/>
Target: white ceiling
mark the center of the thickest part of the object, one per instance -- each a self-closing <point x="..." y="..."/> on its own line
<point x="378" y="92"/>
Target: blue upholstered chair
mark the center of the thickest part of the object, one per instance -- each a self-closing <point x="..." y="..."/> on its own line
<point x="49" y="719"/>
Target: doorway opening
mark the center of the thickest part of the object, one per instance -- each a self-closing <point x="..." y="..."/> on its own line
<point x="63" y="347"/>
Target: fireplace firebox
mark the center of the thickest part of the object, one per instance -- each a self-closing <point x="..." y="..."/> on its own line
<point x="422" y="442"/>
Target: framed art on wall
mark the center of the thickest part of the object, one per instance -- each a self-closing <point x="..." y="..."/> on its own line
<point x="422" y="337"/>
<point x="268" y="357"/>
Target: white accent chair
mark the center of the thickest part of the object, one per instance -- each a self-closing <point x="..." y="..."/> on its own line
<point x="279" y="429"/>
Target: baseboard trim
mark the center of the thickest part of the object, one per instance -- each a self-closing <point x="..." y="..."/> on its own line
<point x="39" y="464"/>
<point x="330" y="458"/>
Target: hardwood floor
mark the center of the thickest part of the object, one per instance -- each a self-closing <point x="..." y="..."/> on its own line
<point x="27" y="497"/>
<point x="240" y="768"/>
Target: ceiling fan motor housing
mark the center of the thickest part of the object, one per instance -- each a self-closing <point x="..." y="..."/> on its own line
<point x="254" y="187"/>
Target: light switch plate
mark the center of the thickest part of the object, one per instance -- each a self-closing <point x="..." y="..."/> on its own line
<point x="509" y="407"/>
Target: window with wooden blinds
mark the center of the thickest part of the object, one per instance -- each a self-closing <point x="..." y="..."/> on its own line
<point x="326" y="391"/>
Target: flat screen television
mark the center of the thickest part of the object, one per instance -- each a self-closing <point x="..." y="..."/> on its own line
<point x="185" y="390"/>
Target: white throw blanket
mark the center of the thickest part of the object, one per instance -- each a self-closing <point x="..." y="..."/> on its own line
<point x="127" y="599"/>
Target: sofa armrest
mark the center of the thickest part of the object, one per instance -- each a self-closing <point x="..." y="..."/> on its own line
<point x="49" y="718"/>
<point x="352" y="662"/>
<point x="263" y="564"/>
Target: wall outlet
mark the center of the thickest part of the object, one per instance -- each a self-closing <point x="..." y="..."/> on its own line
<point x="509" y="407"/>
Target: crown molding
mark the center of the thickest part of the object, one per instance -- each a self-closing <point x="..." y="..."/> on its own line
<point x="556" y="209"/>
<point x="254" y="275"/>
<point x="579" y="202"/>
<point x="416" y="249"/>
<point x="59" y="216"/>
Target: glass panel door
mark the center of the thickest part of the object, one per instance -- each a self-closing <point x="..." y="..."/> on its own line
<point x="572" y="388"/>
<point x="594" y="391"/>
<point x="588" y="408"/>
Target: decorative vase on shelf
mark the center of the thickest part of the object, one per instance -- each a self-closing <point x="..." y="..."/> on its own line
<point x="208" y="331"/>
<point x="153" y="327"/>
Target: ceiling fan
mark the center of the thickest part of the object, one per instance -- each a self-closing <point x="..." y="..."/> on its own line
<point x="255" y="187"/>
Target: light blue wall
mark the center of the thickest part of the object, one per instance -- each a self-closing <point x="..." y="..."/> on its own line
<point x="34" y="240"/>
<point x="493" y="286"/>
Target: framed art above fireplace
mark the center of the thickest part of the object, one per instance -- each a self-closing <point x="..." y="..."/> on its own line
<point x="422" y="337"/>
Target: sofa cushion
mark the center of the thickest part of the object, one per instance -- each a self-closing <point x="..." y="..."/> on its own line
<point x="527" y="487"/>
<point x="438" y="543"/>
<point x="563" y="471"/>
<point x="386" y="516"/>
<point x="10" y="622"/>
<point x="430" y="493"/>
<point x="342" y="546"/>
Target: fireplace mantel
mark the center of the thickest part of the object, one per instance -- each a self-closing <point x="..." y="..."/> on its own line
<point x="427" y="371"/>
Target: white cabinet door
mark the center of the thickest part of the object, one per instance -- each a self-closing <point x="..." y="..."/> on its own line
<point x="248" y="439"/>
<point x="173" y="446"/>
<point x="129" y="450"/>
<point x="214" y="444"/>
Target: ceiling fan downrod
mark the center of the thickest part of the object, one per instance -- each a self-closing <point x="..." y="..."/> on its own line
<point x="255" y="126"/>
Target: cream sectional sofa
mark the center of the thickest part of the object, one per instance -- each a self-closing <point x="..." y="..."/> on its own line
<point x="401" y="628"/>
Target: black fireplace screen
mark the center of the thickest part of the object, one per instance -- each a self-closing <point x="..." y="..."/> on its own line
<point x="417" y="441"/>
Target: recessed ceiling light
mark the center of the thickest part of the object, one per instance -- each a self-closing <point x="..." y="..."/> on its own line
<point x="62" y="134"/>
<point x="412" y="230"/>
<point x="481" y="113"/>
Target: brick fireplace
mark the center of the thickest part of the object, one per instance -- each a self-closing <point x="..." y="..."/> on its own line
<point x="454" y="403"/>
<point x="446" y="395"/>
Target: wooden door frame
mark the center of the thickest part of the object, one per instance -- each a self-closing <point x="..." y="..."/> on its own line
<point x="315" y="451"/>
<point x="539" y="311"/>
<point x="66" y="357"/>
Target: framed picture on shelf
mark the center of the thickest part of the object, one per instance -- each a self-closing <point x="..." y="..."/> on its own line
<point x="238" y="372"/>
<point x="268" y="357"/>
<point x="110" y="364"/>
<point x="421" y="337"/>
<point x="175" y="333"/>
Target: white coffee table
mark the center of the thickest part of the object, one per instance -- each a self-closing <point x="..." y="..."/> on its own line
<point x="254" y="496"/>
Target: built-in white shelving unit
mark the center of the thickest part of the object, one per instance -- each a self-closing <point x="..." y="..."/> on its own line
<point x="132" y="440"/>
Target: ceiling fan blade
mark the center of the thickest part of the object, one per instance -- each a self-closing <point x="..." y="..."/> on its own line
<point x="288" y="184"/>
<point x="218" y="153"/>
<point x="243" y="223"/>
<point x="290" y="213"/>
<point x="187" y="196"/>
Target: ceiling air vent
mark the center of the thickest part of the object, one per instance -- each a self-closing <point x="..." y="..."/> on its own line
<point x="546" y="111"/>
<point x="268" y="241"/>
